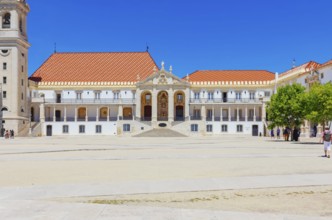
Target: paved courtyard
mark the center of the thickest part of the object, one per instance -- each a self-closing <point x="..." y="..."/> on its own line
<point x="225" y="177"/>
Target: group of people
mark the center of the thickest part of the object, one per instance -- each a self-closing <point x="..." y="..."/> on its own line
<point x="326" y="137"/>
<point x="286" y="133"/>
<point x="7" y="133"/>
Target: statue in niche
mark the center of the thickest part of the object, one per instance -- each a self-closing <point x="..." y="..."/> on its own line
<point x="6" y="19"/>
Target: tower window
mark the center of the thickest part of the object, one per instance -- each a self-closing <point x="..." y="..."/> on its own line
<point x="22" y="82"/>
<point x="6" y="21"/>
<point x="4" y="80"/>
<point x="4" y="66"/>
<point x="4" y="94"/>
<point x="21" y="26"/>
<point x="22" y="96"/>
<point x="22" y="68"/>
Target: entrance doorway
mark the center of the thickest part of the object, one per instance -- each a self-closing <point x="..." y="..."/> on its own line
<point x="57" y="115"/>
<point x="147" y="112"/>
<point x="255" y="130"/>
<point x="224" y="96"/>
<point x="81" y="114"/>
<point x="49" y="130"/>
<point x="179" y="116"/>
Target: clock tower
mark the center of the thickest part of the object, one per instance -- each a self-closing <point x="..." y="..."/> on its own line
<point x="14" y="97"/>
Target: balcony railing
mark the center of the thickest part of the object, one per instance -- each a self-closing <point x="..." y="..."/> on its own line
<point x="224" y="100"/>
<point x="195" y="117"/>
<point x="86" y="101"/>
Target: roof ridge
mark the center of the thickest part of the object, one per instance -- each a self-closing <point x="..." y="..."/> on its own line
<point x="101" y="52"/>
<point x="236" y="70"/>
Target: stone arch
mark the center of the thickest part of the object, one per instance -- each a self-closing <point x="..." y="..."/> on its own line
<point x="4" y="109"/>
<point x="146" y="106"/>
<point x="127" y="113"/>
<point x="103" y="112"/>
<point x="81" y="113"/>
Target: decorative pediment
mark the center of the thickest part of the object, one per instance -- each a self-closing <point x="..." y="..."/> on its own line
<point x="163" y="77"/>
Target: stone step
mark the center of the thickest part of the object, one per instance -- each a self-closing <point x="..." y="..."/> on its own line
<point x="161" y="132"/>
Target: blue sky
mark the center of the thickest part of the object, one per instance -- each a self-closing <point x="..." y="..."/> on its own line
<point x="189" y="35"/>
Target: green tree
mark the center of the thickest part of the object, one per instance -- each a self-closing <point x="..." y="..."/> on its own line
<point x="286" y="107"/>
<point x="319" y="104"/>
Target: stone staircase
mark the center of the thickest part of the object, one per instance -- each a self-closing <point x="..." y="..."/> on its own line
<point x="160" y="132"/>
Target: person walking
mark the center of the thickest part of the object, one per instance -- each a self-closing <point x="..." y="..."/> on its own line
<point x="272" y="133"/>
<point x="326" y="138"/>
<point x="278" y="133"/>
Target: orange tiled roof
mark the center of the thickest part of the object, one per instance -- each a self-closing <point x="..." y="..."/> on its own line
<point x="95" y="67"/>
<point x="307" y="66"/>
<point x="231" y="75"/>
<point x="326" y="63"/>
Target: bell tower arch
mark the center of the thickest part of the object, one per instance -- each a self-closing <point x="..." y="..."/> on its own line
<point x="14" y="66"/>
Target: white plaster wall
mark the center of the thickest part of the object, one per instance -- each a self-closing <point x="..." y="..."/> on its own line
<point x="106" y="94"/>
<point x="327" y="71"/>
<point x="88" y="94"/>
<point x="217" y="94"/>
<point x="245" y="94"/>
<point x="232" y="127"/>
<point x="126" y="94"/>
<point x="231" y="94"/>
<point x="108" y="128"/>
<point x="48" y="94"/>
<point x="68" y="94"/>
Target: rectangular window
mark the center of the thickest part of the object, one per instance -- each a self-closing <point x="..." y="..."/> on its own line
<point x="194" y="127"/>
<point x="97" y="95"/>
<point x="210" y="95"/>
<point x="197" y="114"/>
<point x="22" y="82"/>
<point x="209" y="128"/>
<point x="98" y="129"/>
<point x="179" y="98"/>
<point x="224" y="128"/>
<point x="209" y="113"/>
<point x="196" y="95"/>
<point x="4" y="94"/>
<point x="116" y="95"/>
<point x="126" y="127"/>
<point x="82" y="129"/>
<point x="239" y="128"/>
<point x="79" y="95"/>
<point x="4" y="80"/>
<point x="4" y="66"/>
<point x="251" y="95"/>
<point x="22" y="68"/>
<point x="267" y="94"/>
<point x="238" y="95"/>
<point x="65" y="129"/>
